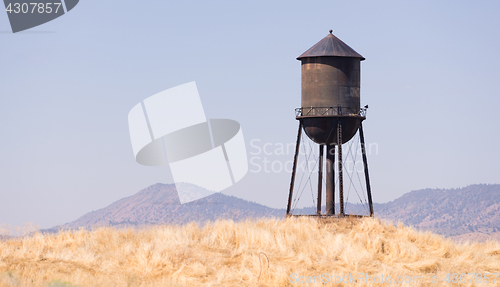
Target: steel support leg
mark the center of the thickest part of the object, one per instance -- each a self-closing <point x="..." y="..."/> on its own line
<point x="294" y="168"/>
<point x="330" y="180"/>
<point x="341" y="183"/>
<point x="320" y="178"/>
<point x="365" y="163"/>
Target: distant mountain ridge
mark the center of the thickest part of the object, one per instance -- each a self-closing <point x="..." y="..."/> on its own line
<point x="451" y="212"/>
<point x="474" y="209"/>
<point x="160" y="204"/>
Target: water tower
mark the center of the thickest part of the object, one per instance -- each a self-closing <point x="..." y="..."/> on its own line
<point x="330" y="114"/>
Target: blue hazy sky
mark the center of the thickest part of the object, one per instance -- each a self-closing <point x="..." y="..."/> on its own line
<point x="430" y="77"/>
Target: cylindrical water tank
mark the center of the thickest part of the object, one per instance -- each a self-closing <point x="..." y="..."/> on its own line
<point x="330" y="90"/>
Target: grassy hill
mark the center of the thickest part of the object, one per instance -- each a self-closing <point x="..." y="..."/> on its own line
<point x="472" y="212"/>
<point x="265" y="252"/>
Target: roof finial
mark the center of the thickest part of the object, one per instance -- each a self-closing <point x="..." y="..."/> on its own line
<point x="331" y="31"/>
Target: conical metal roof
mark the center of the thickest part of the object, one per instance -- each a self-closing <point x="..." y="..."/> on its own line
<point x="330" y="46"/>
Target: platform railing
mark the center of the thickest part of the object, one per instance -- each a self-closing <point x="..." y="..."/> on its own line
<point x="330" y="111"/>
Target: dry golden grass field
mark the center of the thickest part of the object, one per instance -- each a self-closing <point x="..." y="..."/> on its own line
<point x="265" y="252"/>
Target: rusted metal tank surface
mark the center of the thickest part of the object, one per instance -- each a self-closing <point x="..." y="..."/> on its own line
<point x="323" y="130"/>
<point x="330" y="90"/>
